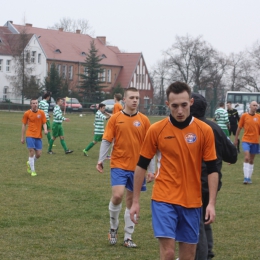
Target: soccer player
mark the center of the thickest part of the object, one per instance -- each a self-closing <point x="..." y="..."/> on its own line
<point x="57" y="129"/>
<point x="180" y="142"/>
<point x="227" y="152"/>
<point x="221" y="118"/>
<point x="35" y="119"/>
<point x="100" y="116"/>
<point x="233" y="118"/>
<point x="128" y="129"/>
<point x="250" y="141"/>
<point x="44" y="105"/>
<point x="117" y="106"/>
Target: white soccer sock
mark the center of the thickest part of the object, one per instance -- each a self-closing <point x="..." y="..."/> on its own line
<point x="129" y="225"/>
<point x="245" y="169"/>
<point x="114" y="211"/>
<point x="250" y="170"/>
<point x="31" y="162"/>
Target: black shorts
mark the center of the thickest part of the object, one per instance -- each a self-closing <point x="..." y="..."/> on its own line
<point x="233" y="129"/>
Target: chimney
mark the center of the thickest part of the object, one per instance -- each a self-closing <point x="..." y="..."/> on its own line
<point x="10" y="22"/>
<point x="28" y="24"/>
<point x="61" y="29"/>
<point x="78" y="31"/>
<point x="102" y="39"/>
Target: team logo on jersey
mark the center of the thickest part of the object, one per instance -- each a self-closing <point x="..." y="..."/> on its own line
<point x="255" y="119"/>
<point x="38" y="116"/>
<point x="190" y="138"/>
<point x="136" y="123"/>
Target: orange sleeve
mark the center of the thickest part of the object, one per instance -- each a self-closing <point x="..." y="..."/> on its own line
<point x="109" y="133"/>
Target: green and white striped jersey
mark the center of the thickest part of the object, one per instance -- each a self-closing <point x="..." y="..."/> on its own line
<point x="44" y="105"/>
<point x="57" y="115"/>
<point x="99" y="123"/>
<point x="221" y="117"/>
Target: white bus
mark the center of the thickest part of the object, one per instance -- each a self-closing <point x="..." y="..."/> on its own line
<point x="240" y="100"/>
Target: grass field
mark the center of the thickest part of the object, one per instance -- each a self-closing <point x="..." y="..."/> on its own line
<point x="62" y="213"/>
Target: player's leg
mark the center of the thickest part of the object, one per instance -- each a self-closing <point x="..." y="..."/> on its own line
<point x="62" y="140"/>
<point x="97" y="138"/>
<point x="55" y="134"/>
<point x="246" y="167"/>
<point x="167" y="248"/>
<point x="187" y="251"/>
<point x="254" y="149"/>
<point x="48" y="123"/>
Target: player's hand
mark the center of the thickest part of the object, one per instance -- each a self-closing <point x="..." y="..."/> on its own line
<point x="134" y="212"/>
<point x="99" y="167"/>
<point x="46" y="132"/>
<point x="150" y="177"/>
<point x="67" y="119"/>
<point x="22" y="140"/>
<point x="210" y="214"/>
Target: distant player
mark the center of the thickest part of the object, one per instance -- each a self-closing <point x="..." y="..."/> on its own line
<point x="221" y="118"/>
<point x="117" y="106"/>
<point x="57" y="129"/>
<point x="100" y="116"/>
<point x="35" y="119"/>
<point x="44" y="105"/>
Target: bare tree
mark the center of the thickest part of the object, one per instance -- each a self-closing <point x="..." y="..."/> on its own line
<point x="71" y="25"/>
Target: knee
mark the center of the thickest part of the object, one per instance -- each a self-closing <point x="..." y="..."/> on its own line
<point x="168" y="253"/>
<point x="61" y="137"/>
<point x="116" y="198"/>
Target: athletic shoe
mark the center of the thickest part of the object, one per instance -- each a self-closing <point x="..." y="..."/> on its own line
<point x="112" y="236"/>
<point x="50" y="152"/>
<point x="33" y="174"/>
<point x="85" y="152"/>
<point x="68" y="151"/>
<point x="129" y="243"/>
<point x="28" y="167"/>
<point x="108" y="157"/>
<point x="245" y="181"/>
<point x="249" y="181"/>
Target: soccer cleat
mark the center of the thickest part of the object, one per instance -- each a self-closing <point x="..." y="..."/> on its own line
<point x="85" y="152"/>
<point x="50" y="152"/>
<point x="68" y="151"/>
<point x="249" y="181"/>
<point x="33" y="174"/>
<point x="112" y="236"/>
<point x="129" y="243"/>
<point x="245" y="181"/>
<point x="108" y="157"/>
<point x="28" y="167"/>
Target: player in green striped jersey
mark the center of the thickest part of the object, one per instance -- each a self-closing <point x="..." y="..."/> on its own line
<point x="221" y="118"/>
<point x="100" y="116"/>
<point x="44" y="105"/>
<point x="57" y="129"/>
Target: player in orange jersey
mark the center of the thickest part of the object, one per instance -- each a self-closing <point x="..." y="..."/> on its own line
<point x="180" y="142"/>
<point x="128" y="129"/>
<point x="250" y="141"/>
<point x="35" y="119"/>
<point x="117" y="106"/>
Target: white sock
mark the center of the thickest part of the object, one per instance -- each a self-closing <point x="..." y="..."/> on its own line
<point x="34" y="158"/>
<point x="251" y="169"/>
<point x="245" y="168"/>
<point x="129" y="225"/>
<point x="31" y="162"/>
<point x="114" y="211"/>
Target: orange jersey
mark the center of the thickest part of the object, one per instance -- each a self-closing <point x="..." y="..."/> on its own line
<point x="251" y="125"/>
<point x="128" y="133"/>
<point x="179" y="158"/>
<point x="35" y="120"/>
<point x="117" y="107"/>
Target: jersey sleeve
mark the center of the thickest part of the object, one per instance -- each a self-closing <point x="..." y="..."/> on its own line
<point x="149" y="146"/>
<point x="109" y="133"/>
<point x="44" y="120"/>
<point x="25" y="118"/>
<point x="241" y="121"/>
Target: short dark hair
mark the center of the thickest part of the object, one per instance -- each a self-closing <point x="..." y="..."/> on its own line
<point x="58" y="99"/>
<point x="229" y="102"/>
<point x="130" y="89"/>
<point x="177" y="88"/>
<point x="118" y="96"/>
<point x="101" y="105"/>
<point x="221" y="104"/>
<point x="46" y="95"/>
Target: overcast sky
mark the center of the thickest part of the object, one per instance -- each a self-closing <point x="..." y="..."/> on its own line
<point x="149" y="26"/>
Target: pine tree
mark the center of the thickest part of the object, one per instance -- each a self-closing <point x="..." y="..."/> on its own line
<point x="90" y="80"/>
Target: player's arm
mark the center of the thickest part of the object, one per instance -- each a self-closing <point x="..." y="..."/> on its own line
<point x="213" y="180"/>
<point x="237" y="135"/>
<point x="104" y="147"/>
<point x="23" y="133"/>
<point x="151" y="171"/>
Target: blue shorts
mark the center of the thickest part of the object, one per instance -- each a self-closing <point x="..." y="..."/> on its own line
<point x="34" y="143"/>
<point x="176" y="222"/>
<point x="251" y="148"/>
<point x="123" y="177"/>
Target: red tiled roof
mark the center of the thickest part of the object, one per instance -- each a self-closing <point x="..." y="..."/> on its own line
<point x="129" y="62"/>
<point x="70" y="44"/>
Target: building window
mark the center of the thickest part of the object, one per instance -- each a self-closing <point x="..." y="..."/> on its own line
<point x="70" y="72"/>
<point x="8" y="65"/>
<point x="39" y="58"/>
<point x="85" y="71"/>
<point x="1" y="65"/>
<point x="58" y="68"/>
<point x="33" y="56"/>
<point x="5" y="92"/>
<point x="109" y="75"/>
<point x="102" y="76"/>
<point x="64" y="71"/>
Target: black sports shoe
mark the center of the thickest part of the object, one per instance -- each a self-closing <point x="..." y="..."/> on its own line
<point x="50" y="152"/>
<point x="68" y="151"/>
